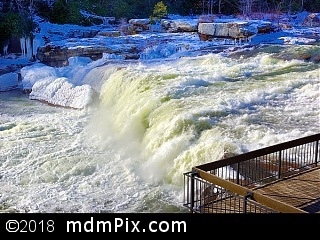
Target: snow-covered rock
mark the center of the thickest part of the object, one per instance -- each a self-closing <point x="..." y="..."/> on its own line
<point x="179" y="26"/>
<point x="60" y="92"/>
<point x="228" y="30"/>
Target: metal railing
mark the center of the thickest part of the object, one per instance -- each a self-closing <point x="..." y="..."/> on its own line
<point x="226" y="185"/>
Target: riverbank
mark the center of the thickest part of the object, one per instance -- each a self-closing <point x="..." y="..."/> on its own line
<point x="179" y="38"/>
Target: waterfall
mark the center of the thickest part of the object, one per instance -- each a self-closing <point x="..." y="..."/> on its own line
<point x="153" y="121"/>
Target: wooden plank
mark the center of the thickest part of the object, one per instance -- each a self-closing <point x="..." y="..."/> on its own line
<point x="301" y="191"/>
<point x="243" y="191"/>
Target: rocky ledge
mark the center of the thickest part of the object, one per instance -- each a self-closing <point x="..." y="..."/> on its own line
<point x="57" y="56"/>
<point x="234" y="30"/>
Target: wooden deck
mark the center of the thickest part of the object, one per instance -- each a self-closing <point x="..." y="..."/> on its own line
<point x="281" y="178"/>
<point x="301" y="190"/>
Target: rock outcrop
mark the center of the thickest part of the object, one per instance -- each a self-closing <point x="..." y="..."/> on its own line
<point x="139" y="25"/>
<point x="57" y="56"/>
<point x="54" y="56"/>
<point x="313" y="20"/>
<point x="166" y="25"/>
<point x="233" y="30"/>
<point x="175" y="26"/>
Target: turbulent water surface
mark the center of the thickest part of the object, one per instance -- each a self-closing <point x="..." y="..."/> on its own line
<point x="152" y="121"/>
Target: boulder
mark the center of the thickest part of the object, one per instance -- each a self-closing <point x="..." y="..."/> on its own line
<point x="166" y="25"/>
<point x="57" y="56"/>
<point x="140" y="23"/>
<point x="175" y="26"/>
<point x="54" y="56"/>
<point x="83" y="34"/>
<point x="313" y="20"/>
<point x="234" y="30"/>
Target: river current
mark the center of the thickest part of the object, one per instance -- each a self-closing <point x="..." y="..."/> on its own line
<point x="152" y="121"/>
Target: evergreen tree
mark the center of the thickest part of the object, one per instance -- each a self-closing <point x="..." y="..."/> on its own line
<point x="15" y="20"/>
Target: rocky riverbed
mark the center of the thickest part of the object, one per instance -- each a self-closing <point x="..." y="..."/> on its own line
<point x="138" y="39"/>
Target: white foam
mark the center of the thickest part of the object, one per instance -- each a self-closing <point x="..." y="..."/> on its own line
<point x="155" y="121"/>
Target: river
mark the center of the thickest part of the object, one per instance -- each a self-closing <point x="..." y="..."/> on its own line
<point x="152" y="121"/>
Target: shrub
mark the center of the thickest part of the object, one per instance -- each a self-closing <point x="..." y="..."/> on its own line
<point x="159" y="12"/>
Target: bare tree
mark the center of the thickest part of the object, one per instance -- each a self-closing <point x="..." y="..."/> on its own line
<point x="202" y="6"/>
<point x="23" y="7"/>
<point x="219" y="6"/>
<point x="210" y="6"/>
<point x="19" y="5"/>
<point x="246" y="6"/>
<point x="302" y="2"/>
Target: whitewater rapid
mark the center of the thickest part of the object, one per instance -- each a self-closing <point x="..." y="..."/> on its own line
<point x="126" y="149"/>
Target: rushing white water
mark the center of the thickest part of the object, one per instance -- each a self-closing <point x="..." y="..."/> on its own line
<point x="153" y="120"/>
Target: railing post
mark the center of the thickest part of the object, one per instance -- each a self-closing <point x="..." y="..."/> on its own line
<point x="245" y="201"/>
<point x="193" y="174"/>
<point x="279" y="169"/>
<point x="238" y="173"/>
<point x="316" y="157"/>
